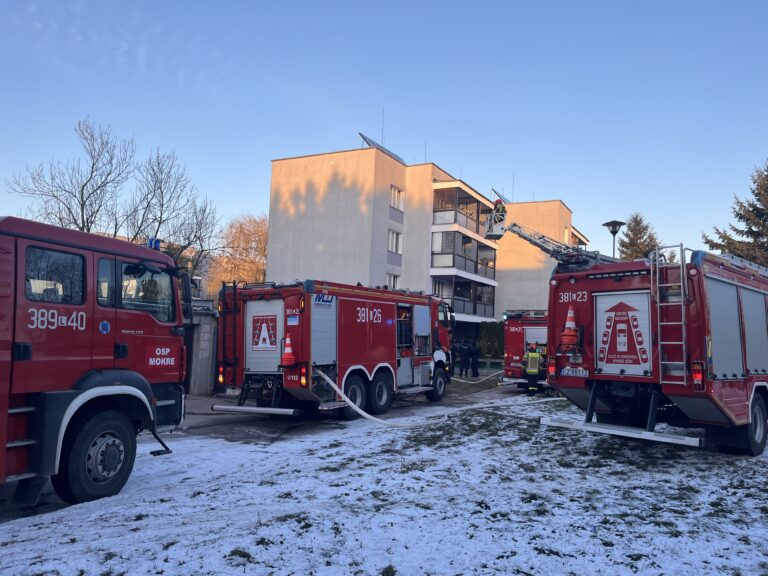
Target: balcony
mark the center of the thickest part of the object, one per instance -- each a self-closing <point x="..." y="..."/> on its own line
<point x="465" y="306"/>
<point x="462" y="263"/>
<point x="454" y="217"/>
<point x="466" y="297"/>
<point x="456" y="205"/>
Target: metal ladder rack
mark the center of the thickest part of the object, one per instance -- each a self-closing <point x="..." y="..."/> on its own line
<point x="660" y="281"/>
<point x="229" y="326"/>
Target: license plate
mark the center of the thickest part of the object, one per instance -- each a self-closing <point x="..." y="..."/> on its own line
<point x="579" y="372"/>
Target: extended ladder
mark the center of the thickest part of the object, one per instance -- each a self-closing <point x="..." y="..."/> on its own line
<point x="668" y="282"/>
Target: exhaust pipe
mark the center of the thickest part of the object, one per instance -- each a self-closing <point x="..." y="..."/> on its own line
<point x="254" y="410"/>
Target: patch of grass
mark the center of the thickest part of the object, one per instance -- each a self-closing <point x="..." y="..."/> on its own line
<point x="169" y="544"/>
<point x="388" y="571"/>
<point x="551" y="552"/>
<point x="240" y="554"/>
<point x="196" y="493"/>
<point x="285" y="495"/>
<point x="529" y="497"/>
<point x="263" y="542"/>
<point x="109" y="556"/>
<point x="139" y="517"/>
<point x="506" y="555"/>
<point x="636" y="557"/>
<point x="331" y="468"/>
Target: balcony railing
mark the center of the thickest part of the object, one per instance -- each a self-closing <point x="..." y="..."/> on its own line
<point x="454" y="217"/>
<point x="461" y="263"/>
<point x="465" y="306"/>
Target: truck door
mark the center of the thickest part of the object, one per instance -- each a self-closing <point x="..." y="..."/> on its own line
<point x="7" y="274"/>
<point x="54" y="316"/>
<point x="146" y="339"/>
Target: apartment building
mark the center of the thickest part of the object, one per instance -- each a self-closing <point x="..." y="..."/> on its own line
<point x="366" y="216"/>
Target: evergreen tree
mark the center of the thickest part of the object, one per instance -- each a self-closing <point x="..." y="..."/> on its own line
<point x="750" y="240"/>
<point x="638" y="238"/>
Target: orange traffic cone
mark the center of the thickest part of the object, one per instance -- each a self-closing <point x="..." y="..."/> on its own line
<point x="570" y="336"/>
<point x="288" y="358"/>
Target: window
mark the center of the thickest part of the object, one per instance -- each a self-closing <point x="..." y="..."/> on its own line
<point x="55" y="277"/>
<point x="393" y="281"/>
<point x="397" y="199"/>
<point x="105" y="287"/>
<point x="395" y="242"/>
<point x="148" y="292"/>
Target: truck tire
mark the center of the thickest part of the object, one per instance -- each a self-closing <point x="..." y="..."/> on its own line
<point x="756" y="429"/>
<point x="354" y="389"/>
<point x="96" y="459"/>
<point x="439" y="382"/>
<point x="380" y="394"/>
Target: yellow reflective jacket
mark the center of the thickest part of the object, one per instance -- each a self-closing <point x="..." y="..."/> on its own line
<point x="532" y="362"/>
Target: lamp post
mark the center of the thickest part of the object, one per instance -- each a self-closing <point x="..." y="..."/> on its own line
<point x="613" y="227"/>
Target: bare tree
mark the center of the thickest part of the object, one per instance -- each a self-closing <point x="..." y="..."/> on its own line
<point x="165" y="205"/>
<point x="83" y="193"/>
<point x="243" y="254"/>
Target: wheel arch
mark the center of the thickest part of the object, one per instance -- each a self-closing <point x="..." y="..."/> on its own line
<point x="126" y="399"/>
<point x="759" y="389"/>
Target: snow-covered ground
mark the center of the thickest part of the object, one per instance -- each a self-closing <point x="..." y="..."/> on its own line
<point x="481" y="491"/>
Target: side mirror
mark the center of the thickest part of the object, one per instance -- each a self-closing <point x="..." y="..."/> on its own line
<point x="453" y="321"/>
<point x="186" y="295"/>
<point x="186" y="288"/>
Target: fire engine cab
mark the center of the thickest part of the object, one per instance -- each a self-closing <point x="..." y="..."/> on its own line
<point x="276" y="342"/>
<point x="522" y="328"/>
<point x="91" y="352"/>
<point x="683" y="342"/>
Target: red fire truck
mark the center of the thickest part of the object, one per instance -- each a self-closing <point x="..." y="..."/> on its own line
<point x="521" y="328"/>
<point x="276" y="342"/>
<point x="91" y="352"/>
<point x="647" y="341"/>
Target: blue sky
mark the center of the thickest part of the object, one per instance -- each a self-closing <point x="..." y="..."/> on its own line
<point x="660" y="107"/>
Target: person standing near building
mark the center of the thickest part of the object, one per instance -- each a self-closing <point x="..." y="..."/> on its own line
<point x="464" y="356"/>
<point x="532" y="361"/>
<point x="475" y="360"/>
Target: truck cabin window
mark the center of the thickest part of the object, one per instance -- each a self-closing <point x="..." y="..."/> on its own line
<point x="54" y="277"/>
<point x="105" y="287"/>
<point x="147" y="291"/>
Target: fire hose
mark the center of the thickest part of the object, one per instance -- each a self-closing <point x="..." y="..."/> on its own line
<point x="364" y="414"/>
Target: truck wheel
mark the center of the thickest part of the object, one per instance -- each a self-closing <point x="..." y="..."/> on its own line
<point x="354" y="389"/>
<point x="96" y="459"/>
<point x="756" y="429"/>
<point x="380" y="397"/>
<point x="439" y="381"/>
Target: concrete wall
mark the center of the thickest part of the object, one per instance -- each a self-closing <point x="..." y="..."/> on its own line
<point x="321" y="215"/>
<point x="523" y="271"/>
<point x="201" y="346"/>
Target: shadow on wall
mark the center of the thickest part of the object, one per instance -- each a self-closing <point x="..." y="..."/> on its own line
<point x="321" y="194"/>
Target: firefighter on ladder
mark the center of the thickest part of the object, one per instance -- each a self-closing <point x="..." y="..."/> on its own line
<point x="499" y="213"/>
<point x="532" y="361"/>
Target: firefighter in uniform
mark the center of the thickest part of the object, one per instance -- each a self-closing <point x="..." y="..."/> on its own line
<point x="532" y="361"/>
<point x="499" y="212"/>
